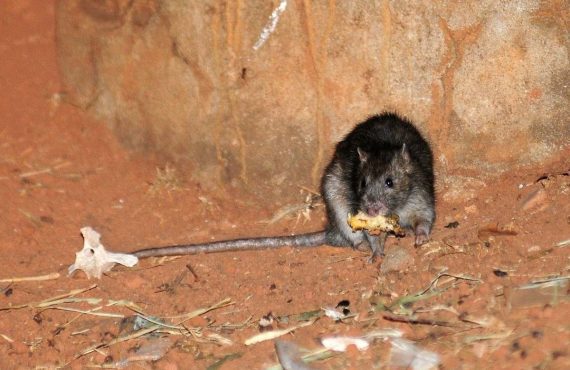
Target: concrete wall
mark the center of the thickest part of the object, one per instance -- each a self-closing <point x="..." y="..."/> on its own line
<point x="485" y="80"/>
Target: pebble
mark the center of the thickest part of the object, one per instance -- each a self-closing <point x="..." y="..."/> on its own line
<point x="536" y="201"/>
<point x="396" y="260"/>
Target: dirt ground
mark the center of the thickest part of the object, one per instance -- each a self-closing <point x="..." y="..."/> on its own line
<point x="459" y="296"/>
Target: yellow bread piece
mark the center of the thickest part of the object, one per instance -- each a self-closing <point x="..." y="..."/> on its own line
<point x="375" y="225"/>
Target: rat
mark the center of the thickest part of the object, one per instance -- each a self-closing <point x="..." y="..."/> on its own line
<point x="384" y="166"/>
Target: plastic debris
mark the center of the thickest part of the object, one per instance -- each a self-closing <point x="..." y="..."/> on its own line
<point x="94" y="259"/>
<point x="551" y="291"/>
<point x="340" y="344"/>
<point x="384" y="334"/>
<point x="151" y="350"/>
<point x="333" y="313"/>
<point x="142" y="323"/>
<point x="406" y="354"/>
<point x="289" y="356"/>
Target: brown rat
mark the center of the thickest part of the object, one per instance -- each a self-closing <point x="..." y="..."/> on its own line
<point x="383" y="166"/>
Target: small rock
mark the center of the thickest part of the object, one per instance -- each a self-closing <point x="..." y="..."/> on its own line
<point x="396" y="260"/>
<point x="535" y="201"/>
<point x="534" y="248"/>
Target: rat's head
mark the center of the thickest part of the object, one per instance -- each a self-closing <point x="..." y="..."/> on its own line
<point x="383" y="179"/>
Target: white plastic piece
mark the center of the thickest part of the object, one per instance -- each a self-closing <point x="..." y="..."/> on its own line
<point x="94" y="260"/>
<point x="406" y="354"/>
<point x="333" y="313"/>
<point x="339" y="344"/>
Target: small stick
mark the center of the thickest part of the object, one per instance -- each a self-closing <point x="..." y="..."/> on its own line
<point x="88" y="312"/>
<point x="45" y="170"/>
<point x="134" y="335"/>
<point x="52" y="276"/>
<point x="308" y="190"/>
<point x="49" y="301"/>
<point x="191" y="269"/>
<point x="7" y="338"/>
<point x="413" y="320"/>
<point x="455" y="277"/>
<point x="150" y="329"/>
<point x="268" y="335"/>
<point x="563" y="243"/>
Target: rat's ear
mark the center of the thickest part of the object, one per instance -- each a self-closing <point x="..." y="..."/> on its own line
<point x="406" y="160"/>
<point x="405" y="153"/>
<point x="362" y="155"/>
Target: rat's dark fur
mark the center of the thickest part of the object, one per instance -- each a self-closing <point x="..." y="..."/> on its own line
<point x="384" y="166"/>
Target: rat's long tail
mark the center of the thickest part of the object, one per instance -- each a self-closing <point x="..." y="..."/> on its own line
<point x="302" y="240"/>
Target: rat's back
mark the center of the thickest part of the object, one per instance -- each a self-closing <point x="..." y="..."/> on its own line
<point x="390" y="132"/>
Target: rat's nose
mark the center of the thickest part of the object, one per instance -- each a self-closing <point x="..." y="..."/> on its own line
<point x="376" y="209"/>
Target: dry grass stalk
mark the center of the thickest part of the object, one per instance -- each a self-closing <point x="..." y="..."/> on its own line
<point x="52" y="276"/>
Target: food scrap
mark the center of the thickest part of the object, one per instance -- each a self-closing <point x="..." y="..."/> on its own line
<point x="375" y="225"/>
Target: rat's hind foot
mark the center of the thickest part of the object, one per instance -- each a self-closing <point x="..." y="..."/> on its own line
<point x="374" y="257"/>
<point x="376" y="245"/>
<point x="421" y="239"/>
<point x="422" y="233"/>
<point x="363" y="246"/>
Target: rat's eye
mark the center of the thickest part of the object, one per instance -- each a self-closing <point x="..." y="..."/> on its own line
<point x="389" y="183"/>
<point x="362" y="183"/>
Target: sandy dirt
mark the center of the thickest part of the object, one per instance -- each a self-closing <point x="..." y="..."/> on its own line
<point x="61" y="170"/>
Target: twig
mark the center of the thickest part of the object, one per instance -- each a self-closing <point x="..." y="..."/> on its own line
<point x="54" y="302"/>
<point x="31" y="217"/>
<point x="127" y="304"/>
<point x="405" y="300"/>
<point x="429" y="291"/>
<point x="157" y="325"/>
<point x="550" y="279"/>
<point x="414" y="320"/>
<point x="7" y="338"/>
<point x="223" y="303"/>
<point x="52" y="276"/>
<point x="311" y="191"/>
<point x="134" y="335"/>
<point x="563" y="243"/>
<point x="50" y="301"/>
<point x="45" y="170"/>
<point x="477" y="338"/>
<point x="442" y="274"/>
<point x="88" y="312"/>
<point x="268" y="335"/>
<point x="156" y="322"/>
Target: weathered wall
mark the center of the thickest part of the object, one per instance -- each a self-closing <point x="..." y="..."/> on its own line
<point x="486" y="80"/>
